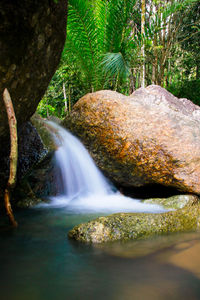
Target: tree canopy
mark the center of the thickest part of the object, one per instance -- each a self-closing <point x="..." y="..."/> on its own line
<point x="125" y="44"/>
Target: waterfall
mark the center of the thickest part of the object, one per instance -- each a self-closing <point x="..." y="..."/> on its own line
<point x="85" y="189"/>
<point x="80" y="175"/>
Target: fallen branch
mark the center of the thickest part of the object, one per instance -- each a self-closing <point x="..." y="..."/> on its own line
<point x="13" y="155"/>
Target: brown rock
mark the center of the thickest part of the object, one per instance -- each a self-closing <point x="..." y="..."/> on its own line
<point x="150" y="137"/>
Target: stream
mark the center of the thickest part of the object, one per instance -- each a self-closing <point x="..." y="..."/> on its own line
<point x="39" y="262"/>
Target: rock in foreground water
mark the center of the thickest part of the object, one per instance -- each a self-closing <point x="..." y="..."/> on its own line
<point x="132" y="226"/>
<point x="150" y="137"/>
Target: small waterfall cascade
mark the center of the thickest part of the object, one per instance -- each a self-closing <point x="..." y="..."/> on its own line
<point x="85" y="189"/>
<point x="79" y="173"/>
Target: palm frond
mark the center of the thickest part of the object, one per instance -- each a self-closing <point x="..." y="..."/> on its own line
<point x="119" y="11"/>
<point x="99" y="29"/>
<point x="79" y="60"/>
<point x="114" y="64"/>
<point x="102" y="10"/>
<point x="82" y="33"/>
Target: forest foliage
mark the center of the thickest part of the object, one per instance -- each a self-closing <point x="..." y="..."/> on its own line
<point x="117" y="45"/>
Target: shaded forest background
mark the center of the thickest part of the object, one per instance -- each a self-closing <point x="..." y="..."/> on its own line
<point x="125" y="44"/>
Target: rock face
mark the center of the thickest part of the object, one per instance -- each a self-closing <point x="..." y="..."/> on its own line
<point x="32" y="35"/>
<point x="150" y="137"/>
<point x="43" y="177"/>
<point x="40" y="183"/>
<point x="132" y="226"/>
<point x="31" y="149"/>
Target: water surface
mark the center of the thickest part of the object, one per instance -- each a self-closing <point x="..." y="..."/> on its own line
<point x="39" y="262"/>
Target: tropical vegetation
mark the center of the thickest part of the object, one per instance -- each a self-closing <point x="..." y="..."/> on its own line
<point x="125" y="44"/>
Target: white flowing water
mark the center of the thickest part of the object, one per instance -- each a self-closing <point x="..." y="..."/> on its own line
<point x="85" y="189"/>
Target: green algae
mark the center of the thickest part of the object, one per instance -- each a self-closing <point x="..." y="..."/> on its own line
<point x="133" y="226"/>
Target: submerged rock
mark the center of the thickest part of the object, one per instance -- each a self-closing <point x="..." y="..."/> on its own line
<point x="132" y="226"/>
<point x="150" y="137"/>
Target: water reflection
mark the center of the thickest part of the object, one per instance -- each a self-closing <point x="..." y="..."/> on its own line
<point x="185" y="255"/>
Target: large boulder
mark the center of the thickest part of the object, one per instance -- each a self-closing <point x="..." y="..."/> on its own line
<point x="32" y="35"/>
<point x="150" y="137"/>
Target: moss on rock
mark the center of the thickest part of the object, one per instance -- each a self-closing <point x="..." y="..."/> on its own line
<point x="29" y="202"/>
<point x="44" y="131"/>
<point x="130" y="226"/>
<point x="174" y="202"/>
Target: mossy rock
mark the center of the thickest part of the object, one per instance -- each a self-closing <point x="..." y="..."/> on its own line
<point x="38" y="185"/>
<point x="131" y="226"/>
<point x="29" y="202"/>
<point x="174" y="202"/>
<point x="44" y="131"/>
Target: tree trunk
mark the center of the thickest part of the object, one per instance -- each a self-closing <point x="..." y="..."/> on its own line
<point x="65" y="97"/>
<point x="198" y="69"/>
<point x="13" y="155"/>
<point x="155" y="51"/>
<point x="132" y="83"/>
<point x="47" y="103"/>
<point x="143" y="46"/>
<point x="70" y="98"/>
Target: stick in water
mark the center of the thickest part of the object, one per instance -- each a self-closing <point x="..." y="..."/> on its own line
<point x="13" y="155"/>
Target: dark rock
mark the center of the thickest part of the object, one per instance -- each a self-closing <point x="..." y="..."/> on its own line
<point x="148" y="138"/>
<point x="43" y="177"/>
<point x="40" y="183"/>
<point x="32" y="35"/>
<point x="30" y="151"/>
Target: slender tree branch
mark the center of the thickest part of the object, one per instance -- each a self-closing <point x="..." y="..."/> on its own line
<point x="188" y="37"/>
<point x="13" y="155"/>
